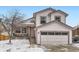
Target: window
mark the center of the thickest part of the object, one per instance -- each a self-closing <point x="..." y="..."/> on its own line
<point x="43" y="20"/>
<point x="63" y="33"/>
<point x="54" y="33"/>
<point x="23" y="30"/>
<point x="18" y="30"/>
<point x="50" y="33"/>
<point x="43" y="33"/>
<point x="58" y="18"/>
<point x="57" y="33"/>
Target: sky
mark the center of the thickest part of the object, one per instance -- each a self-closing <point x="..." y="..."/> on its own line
<point x="72" y="11"/>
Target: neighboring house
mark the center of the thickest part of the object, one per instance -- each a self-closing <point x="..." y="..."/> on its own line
<point x="49" y="27"/>
<point x="75" y="31"/>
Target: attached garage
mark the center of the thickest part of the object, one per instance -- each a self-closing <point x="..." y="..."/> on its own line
<point x="54" y="33"/>
<point x="54" y="37"/>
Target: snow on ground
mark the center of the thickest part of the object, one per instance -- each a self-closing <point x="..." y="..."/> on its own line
<point x="19" y="45"/>
<point x="76" y="45"/>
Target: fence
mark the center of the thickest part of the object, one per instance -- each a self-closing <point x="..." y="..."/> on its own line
<point x="3" y="37"/>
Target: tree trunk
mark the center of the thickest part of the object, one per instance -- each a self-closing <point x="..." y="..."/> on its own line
<point x="7" y="32"/>
<point x="9" y="38"/>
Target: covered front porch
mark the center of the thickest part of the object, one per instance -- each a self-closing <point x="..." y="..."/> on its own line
<point x="25" y="31"/>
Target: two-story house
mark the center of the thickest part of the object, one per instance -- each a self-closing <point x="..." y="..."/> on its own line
<point x="50" y="27"/>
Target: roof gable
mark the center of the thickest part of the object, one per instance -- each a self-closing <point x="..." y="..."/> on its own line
<point x="52" y="11"/>
<point x="44" y="10"/>
<point x="65" y="25"/>
<point x="61" y="12"/>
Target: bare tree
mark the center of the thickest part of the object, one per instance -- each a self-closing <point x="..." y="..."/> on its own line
<point x="11" y="21"/>
<point x="1" y="27"/>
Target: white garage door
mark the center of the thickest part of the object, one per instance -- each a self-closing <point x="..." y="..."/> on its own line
<point x="54" y="38"/>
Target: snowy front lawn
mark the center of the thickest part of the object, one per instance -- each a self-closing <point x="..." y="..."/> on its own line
<point x="22" y="45"/>
<point x="19" y="45"/>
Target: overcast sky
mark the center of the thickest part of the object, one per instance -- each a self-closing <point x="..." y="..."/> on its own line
<point x="72" y="19"/>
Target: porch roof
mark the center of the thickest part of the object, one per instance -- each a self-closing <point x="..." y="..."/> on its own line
<point x="26" y="25"/>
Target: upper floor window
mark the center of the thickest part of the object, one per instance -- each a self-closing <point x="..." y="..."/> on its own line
<point x="58" y="18"/>
<point x="42" y="19"/>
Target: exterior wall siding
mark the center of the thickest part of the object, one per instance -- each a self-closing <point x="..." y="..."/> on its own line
<point x="52" y="27"/>
<point x="63" y="18"/>
<point x="55" y="27"/>
<point x="75" y="32"/>
<point x="70" y="37"/>
<point x="42" y="14"/>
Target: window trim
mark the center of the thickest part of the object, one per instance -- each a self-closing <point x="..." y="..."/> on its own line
<point x="23" y="30"/>
<point x="42" y="21"/>
<point x="64" y="33"/>
<point x="18" y="30"/>
<point x="58" y="19"/>
<point x="43" y="33"/>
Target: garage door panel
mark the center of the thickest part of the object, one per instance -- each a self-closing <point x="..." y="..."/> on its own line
<point x="54" y="43"/>
<point x="54" y="39"/>
<point x="47" y="37"/>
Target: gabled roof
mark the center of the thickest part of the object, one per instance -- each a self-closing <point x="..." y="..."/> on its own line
<point x="56" y="22"/>
<point x="29" y="19"/>
<point x="59" y="11"/>
<point x="45" y="10"/>
<point x="51" y="12"/>
<point x="62" y="12"/>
